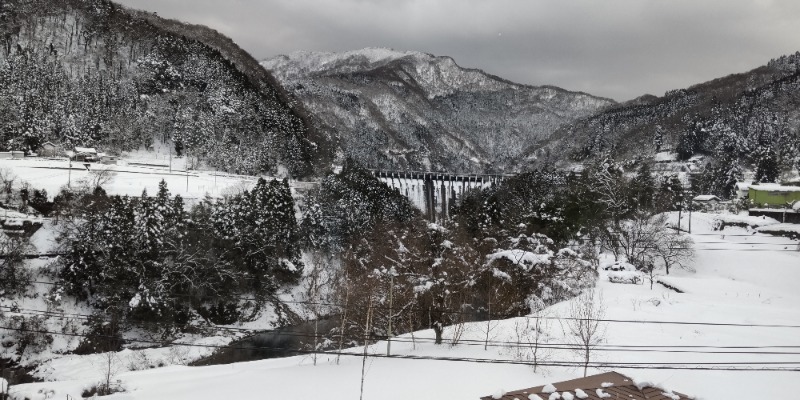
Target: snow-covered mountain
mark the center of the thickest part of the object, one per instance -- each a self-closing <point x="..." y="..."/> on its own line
<point x="92" y="73"/>
<point x="411" y="110"/>
<point x="737" y="122"/>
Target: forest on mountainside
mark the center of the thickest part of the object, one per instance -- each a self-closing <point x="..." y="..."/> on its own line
<point x="737" y="122"/>
<point x="91" y="73"/>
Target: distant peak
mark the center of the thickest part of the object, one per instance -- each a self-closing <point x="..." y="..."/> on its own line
<point x="305" y="62"/>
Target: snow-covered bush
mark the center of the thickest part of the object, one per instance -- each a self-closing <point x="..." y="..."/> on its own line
<point x="24" y="334"/>
<point x="630" y="277"/>
<point x="525" y="267"/>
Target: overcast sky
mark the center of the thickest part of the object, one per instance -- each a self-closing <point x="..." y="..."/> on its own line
<point x="614" y="48"/>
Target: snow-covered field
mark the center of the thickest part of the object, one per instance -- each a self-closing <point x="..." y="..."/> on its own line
<point x="741" y="302"/>
<point x="129" y="178"/>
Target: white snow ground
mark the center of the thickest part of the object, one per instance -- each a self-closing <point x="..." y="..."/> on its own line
<point x="130" y="177"/>
<point x="742" y="277"/>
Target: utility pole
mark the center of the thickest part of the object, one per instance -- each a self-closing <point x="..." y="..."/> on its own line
<point x="389" y="336"/>
<point x="69" y="174"/>
<point x="366" y="345"/>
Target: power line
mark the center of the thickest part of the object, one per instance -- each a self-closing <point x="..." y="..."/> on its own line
<point x="764" y="366"/>
<point x="417" y="309"/>
<point x="542" y="344"/>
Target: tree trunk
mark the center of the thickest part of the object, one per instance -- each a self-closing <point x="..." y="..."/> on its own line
<point x="438" y="329"/>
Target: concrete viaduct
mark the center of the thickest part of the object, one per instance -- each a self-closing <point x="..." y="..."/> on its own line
<point x="434" y="192"/>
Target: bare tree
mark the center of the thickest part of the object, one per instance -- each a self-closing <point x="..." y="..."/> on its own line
<point x="585" y="324"/>
<point x="7" y="179"/>
<point x="675" y="249"/>
<point x="651" y="272"/>
<point x="645" y="238"/>
<point x="315" y="286"/>
<point x="531" y="339"/>
<point x="100" y="177"/>
<point x="110" y="370"/>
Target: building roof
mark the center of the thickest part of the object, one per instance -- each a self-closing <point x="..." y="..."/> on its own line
<point x="610" y="385"/>
<point x="774" y="187"/>
<point x="88" y="150"/>
<point x="706" y="197"/>
<point x="743" y="185"/>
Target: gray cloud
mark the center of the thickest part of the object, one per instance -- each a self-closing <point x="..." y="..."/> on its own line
<point x="614" y="48"/>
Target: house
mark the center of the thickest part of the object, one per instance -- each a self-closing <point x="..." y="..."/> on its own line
<point x="706" y="199"/>
<point x="706" y="202"/>
<point x="610" y="385"/>
<point x="49" y="149"/>
<point x="773" y="195"/>
<point x="105" y="158"/>
<point x="84" y="154"/>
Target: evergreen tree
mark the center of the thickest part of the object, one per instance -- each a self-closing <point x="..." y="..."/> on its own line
<point x="767" y="169"/>
<point x="644" y="187"/>
<point x="670" y="194"/>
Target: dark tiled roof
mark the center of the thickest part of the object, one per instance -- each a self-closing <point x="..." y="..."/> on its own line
<point x="621" y="387"/>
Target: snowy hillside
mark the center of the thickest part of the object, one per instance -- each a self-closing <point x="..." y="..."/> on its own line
<point x="391" y="109"/>
<point x="737" y="312"/>
<point x="93" y="73"/>
<point x="736" y="122"/>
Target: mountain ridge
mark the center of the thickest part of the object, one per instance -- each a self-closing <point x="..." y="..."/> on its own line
<point x="412" y="110"/>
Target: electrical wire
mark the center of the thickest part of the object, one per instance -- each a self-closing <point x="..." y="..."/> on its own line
<point x="417" y="309"/>
<point x="541" y="345"/>
<point x="754" y="366"/>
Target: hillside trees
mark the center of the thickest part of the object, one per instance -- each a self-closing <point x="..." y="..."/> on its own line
<point x="348" y="204"/>
<point x="767" y="168"/>
<point x="90" y="73"/>
<point x="727" y="118"/>
<point x="147" y="260"/>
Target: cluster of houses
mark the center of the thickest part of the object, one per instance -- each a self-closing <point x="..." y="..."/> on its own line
<point x="79" y="154"/>
<point x="781" y="202"/>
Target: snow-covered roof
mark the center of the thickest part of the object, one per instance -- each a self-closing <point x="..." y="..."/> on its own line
<point x="89" y="150"/>
<point x="607" y="385"/>
<point x="774" y="187"/>
<point x="743" y="185"/>
<point x="665" y="156"/>
<point x="706" y="197"/>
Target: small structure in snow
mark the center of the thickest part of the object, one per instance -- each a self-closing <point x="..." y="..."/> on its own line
<point x="706" y="202"/>
<point x="50" y="149"/>
<point x="84" y="154"/>
<point x="706" y="198"/>
<point x="105" y="158"/>
<point x="770" y="195"/>
<point x="608" y="385"/>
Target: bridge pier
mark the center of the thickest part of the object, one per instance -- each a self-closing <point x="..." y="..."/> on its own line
<point x="434" y="193"/>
